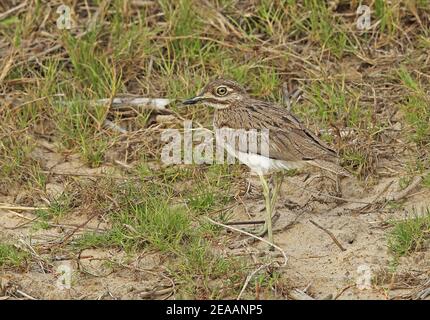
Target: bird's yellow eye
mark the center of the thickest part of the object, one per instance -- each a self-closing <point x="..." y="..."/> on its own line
<point x="221" y="91"/>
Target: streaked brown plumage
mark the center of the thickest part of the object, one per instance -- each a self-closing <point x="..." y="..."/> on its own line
<point x="290" y="140"/>
<point x="291" y="144"/>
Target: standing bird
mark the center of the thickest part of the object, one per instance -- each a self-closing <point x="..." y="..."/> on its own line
<point x="291" y="145"/>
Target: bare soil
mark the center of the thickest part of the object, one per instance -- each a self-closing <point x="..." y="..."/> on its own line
<point x="317" y="264"/>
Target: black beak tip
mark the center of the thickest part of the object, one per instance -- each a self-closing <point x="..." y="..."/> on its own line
<point x="192" y="100"/>
<point x="189" y="102"/>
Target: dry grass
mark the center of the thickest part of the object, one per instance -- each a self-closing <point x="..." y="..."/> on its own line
<point x="365" y="92"/>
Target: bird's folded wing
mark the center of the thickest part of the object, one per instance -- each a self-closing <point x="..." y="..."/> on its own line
<point x="289" y="139"/>
<point x="296" y="144"/>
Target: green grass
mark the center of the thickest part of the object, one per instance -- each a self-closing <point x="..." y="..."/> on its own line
<point x="11" y="256"/>
<point x="202" y="202"/>
<point x="415" y="108"/>
<point x="388" y="15"/>
<point x="57" y="210"/>
<point x="213" y="191"/>
<point x="149" y="215"/>
<point x="148" y="220"/>
<point x="410" y="235"/>
<point x="151" y="224"/>
<point x="325" y="28"/>
<point x="172" y="49"/>
<point x="327" y="102"/>
<point x="200" y="270"/>
<point x="418" y="117"/>
<point x="14" y="153"/>
<point x="16" y="163"/>
<point x="269" y="281"/>
<point x="356" y="160"/>
<point x="426" y="180"/>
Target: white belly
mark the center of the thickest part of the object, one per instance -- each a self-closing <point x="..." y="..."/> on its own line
<point x="260" y="164"/>
<point x="263" y="165"/>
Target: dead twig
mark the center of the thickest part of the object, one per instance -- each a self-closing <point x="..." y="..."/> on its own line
<point x="236" y="223"/>
<point x="403" y="193"/>
<point x="329" y="233"/>
<point x="171" y="289"/>
<point x="6" y="206"/>
<point x="253" y="236"/>
<point x="147" y="103"/>
<point x="250" y="276"/>
<point x="35" y="255"/>
<point x="66" y="238"/>
<point x="4" y="15"/>
<point x="26" y="295"/>
<point x="58" y="225"/>
<point x="90" y="175"/>
<point x="342" y="291"/>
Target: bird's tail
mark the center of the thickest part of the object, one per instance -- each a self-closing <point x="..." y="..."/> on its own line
<point x="330" y="166"/>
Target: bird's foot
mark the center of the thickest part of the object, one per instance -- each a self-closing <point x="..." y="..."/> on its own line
<point x="263" y="231"/>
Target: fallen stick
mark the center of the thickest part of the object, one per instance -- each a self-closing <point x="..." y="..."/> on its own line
<point x="155" y="104"/>
<point x="424" y="293"/>
<point x="25" y="295"/>
<point x="66" y="239"/>
<point x="89" y="175"/>
<point x="249" y="277"/>
<point x="4" y="15"/>
<point x="7" y="206"/>
<point x="403" y="193"/>
<point x="149" y="103"/>
<point x="329" y="233"/>
<point x="253" y="236"/>
<point x="236" y="223"/>
<point x="65" y="226"/>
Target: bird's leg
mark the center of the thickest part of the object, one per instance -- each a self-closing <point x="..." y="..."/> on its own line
<point x="278" y="179"/>
<point x="270" y="197"/>
<point x="263" y="231"/>
<point x="268" y="200"/>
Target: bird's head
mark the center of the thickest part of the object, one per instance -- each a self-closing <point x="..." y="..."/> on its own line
<point x="220" y="94"/>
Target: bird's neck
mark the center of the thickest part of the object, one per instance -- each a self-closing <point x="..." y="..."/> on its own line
<point x="222" y="116"/>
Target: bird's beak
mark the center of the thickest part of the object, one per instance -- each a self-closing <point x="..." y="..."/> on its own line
<point x="192" y="100"/>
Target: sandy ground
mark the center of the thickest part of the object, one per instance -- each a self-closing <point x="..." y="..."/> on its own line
<point x="311" y="221"/>
<point x="316" y="262"/>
